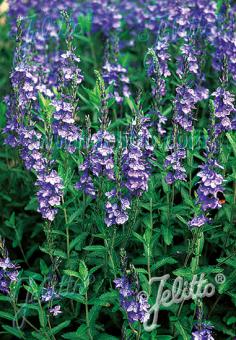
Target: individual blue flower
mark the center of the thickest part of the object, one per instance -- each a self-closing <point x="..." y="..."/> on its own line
<point x="56" y="310"/>
<point x="198" y="221"/>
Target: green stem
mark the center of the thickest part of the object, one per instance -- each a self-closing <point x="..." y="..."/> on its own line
<point x="110" y="257"/>
<point x="67" y="231"/>
<point x="137" y="333"/>
<point x="149" y="248"/>
<point x="196" y="245"/>
<point x="43" y="325"/>
<point x="87" y="317"/>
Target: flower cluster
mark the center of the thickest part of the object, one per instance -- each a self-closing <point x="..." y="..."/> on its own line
<point x="116" y="209"/>
<point x="157" y="67"/>
<point x="69" y="70"/>
<point x="24" y="80"/>
<point x="48" y="295"/>
<point x="49" y="193"/>
<point x="86" y="183"/>
<point x="63" y="125"/>
<point x="99" y="162"/>
<point x="102" y="154"/>
<point x="188" y="16"/>
<point x="136" y="159"/>
<point x="210" y="185"/>
<point x="188" y="61"/>
<point x="203" y="333"/>
<point x="29" y="141"/>
<point x="174" y="163"/>
<point x="135" y="170"/>
<point x="116" y="75"/>
<point x="224" y="110"/>
<point x="106" y="16"/>
<point x="8" y="274"/>
<point x="159" y="122"/>
<point x="135" y="305"/>
<point x="185" y="101"/>
<point x="48" y="181"/>
<point x="223" y="39"/>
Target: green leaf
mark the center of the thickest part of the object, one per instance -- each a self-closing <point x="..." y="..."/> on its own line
<point x="93" y="315"/>
<point x="163" y="262"/>
<point x="106" y="299"/>
<point x="32" y="205"/>
<point x="72" y="273"/>
<point x="182" y="219"/>
<point x="98" y="249"/>
<point x="138" y="237"/>
<point x="71" y="336"/>
<point x="182" y="331"/>
<point x="7" y="316"/>
<point x="14" y="331"/>
<point x="184" y="272"/>
<point x="82" y="332"/>
<point x="74" y="296"/>
<point x="104" y="336"/>
<point x="83" y="270"/>
<point x="60" y="253"/>
<point x="232" y="142"/>
<point x="59" y="327"/>
<point x="167" y="234"/>
<point x="43" y="267"/>
<point x="229" y="282"/>
<point x="85" y="22"/>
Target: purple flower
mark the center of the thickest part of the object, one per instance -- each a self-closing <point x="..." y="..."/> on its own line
<point x="105" y="16"/>
<point x="56" y="310"/>
<point x="224" y="42"/>
<point x="115" y="214"/>
<point x="6" y="263"/>
<point x="86" y="183"/>
<point x="49" y="193"/>
<point x="99" y="162"/>
<point x="202" y="332"/>
<point x="24" y="79"/>
<point x="198" y="221"/>
<point x="68" y="66"/>
<point x="224" y="109"/>
<point x="198" y="15"/>
<point x="185" y="101"/>
<point x="157" y="67"/>
<point x="124" y="286"/>
<point x="188" y="61"/>
<point x="8" y="274"/>
<point x="159" y="122"/>
<point x="102" y="154"/>
<point x="116" y="209"/>
<point x="116" y="75"/>
<point x="134" y="167"/>
<point x="135" y="304"/>
<point x="210" y="185"/>
<point x="48" y="294"/>
<point x="173" y="162"/>
<point x="64" y="124"/>
<point x="136" y="159"/>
